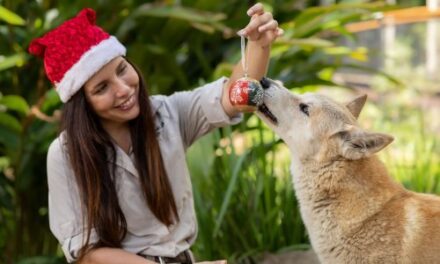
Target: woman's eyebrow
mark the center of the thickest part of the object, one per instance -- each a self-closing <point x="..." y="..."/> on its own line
<point x="120" y="65"/>
<point x="118" y="68"/>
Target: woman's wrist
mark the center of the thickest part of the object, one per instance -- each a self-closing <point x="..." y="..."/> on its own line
<point x="257" y="44"/>
<point x="258" y="59"/>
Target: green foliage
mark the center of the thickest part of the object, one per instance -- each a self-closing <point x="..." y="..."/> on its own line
<point x="24" y="141"/>
<point x="245" y="200"/>
<point x="414" y="157"/>
<point x="23" y="146"/>
<point x="43" y="260"/>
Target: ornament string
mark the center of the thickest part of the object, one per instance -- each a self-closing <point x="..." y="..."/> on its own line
<point x="243" y="56"/>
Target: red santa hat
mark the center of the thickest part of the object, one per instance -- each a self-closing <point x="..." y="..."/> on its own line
<point x="75" y="51"/>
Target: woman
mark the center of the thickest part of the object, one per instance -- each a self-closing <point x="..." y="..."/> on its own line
<point x="119" y="187"/>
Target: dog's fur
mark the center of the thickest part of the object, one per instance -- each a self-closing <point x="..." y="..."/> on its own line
<point x="353" y="210"/>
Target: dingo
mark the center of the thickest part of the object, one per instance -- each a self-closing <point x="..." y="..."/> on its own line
<point x="353" y="210"/>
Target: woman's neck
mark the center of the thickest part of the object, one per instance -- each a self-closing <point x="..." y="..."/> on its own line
<point x="120" y="133"/>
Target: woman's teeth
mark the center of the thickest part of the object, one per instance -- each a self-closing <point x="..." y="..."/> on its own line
<point x="127" y="104"/>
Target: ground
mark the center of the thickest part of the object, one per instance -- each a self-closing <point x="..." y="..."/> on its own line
<point x="293" y="257"/>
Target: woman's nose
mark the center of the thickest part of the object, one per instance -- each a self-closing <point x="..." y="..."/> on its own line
<point x="122" y="88"/>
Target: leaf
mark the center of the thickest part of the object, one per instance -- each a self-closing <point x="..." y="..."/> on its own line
<point x="4" y="163"/>
<point x="178" y="12"/>
<point x="201" y="20"/>
<point x="9" y="122"/>
<point x="41" y="260"/>
<point x="360" y="55"/>
<point x="12" y="61"/>
<point x="318" y="19"/>
<point x="229" y="191"/>
<point x="15" y="103"/>
<point x="307" y="42"/>
<point x="203" y="27"/>
<point x="372" y="70"/>
<point x="51" y="101"/>
<point x="311" y="13"/>
<point x="10" y="140"/>
<point x="10" y="17"/>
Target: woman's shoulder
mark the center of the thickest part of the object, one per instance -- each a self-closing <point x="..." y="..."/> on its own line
<point x="157" y="101"/>
<point x="59" y="170"/>
<point x="58" y="147"/>
<point x="161" y="105"/>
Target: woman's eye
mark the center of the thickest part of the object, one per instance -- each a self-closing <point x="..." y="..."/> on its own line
<point x="304" y="108"/>
<point x="100" y="89"/>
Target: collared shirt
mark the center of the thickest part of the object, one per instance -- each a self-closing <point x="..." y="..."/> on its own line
<point x="180" y="119"/>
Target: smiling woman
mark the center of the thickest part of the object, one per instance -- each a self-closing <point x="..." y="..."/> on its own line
<point x="119" y="186"/>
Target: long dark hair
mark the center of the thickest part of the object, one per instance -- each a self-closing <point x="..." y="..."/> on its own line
<point x="90" y="147"/>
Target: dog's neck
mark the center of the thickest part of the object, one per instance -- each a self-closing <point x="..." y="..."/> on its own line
<point x="328" y="191"/>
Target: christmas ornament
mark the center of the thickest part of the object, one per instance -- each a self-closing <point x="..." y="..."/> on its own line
<point x="246" y="93"/>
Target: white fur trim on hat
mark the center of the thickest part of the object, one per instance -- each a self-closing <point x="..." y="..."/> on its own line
<point x="89" y="63"/>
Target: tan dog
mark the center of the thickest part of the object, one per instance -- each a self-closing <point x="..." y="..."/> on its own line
<point x="353" y="210"/>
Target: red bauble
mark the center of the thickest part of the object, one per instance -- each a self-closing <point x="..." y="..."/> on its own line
<point x="246" y="94"/>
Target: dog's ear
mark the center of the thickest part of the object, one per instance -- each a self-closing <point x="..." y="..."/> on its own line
<point x="356" y="143"/>
<point x="356" y="105"/>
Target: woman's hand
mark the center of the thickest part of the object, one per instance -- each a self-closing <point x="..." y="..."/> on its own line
<point x="263" y="28"/>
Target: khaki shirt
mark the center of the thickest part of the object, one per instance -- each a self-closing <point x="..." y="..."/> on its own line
<point x="180" y="119"/>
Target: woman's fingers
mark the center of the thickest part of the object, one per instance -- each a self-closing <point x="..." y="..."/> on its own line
<point x="262" y="26"/>
<point x="255" y="9"/>
<point x="257" y="21"/>
<point x="271" y="25"/>
<point x="279" y="32"/>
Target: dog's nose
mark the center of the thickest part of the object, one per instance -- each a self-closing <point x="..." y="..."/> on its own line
<point x="265" y="83"/>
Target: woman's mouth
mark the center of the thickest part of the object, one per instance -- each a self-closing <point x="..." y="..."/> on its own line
<point x="129" y="103"/>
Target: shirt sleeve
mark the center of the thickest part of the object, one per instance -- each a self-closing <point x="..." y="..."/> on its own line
<point x="65" y="217"/>
<point x="200" y="111"/>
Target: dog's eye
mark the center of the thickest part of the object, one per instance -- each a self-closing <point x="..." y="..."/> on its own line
<point x="304" y="108"/>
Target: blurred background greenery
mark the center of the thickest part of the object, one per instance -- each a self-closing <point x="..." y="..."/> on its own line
<point x="243" y="194"/>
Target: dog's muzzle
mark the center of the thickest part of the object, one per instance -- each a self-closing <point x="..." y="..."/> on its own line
<point x="265" y="83"/>
<point x="266" y="112"/>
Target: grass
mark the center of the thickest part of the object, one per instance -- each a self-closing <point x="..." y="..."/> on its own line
<point x="243" y="195"/>
<point x="415" y="158"/>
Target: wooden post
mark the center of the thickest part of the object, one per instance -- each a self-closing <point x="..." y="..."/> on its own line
<point x="432" y="5"/>
<point x="432" y="52"/>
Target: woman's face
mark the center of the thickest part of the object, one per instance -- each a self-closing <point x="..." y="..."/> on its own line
<point x="113" y="92"/>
